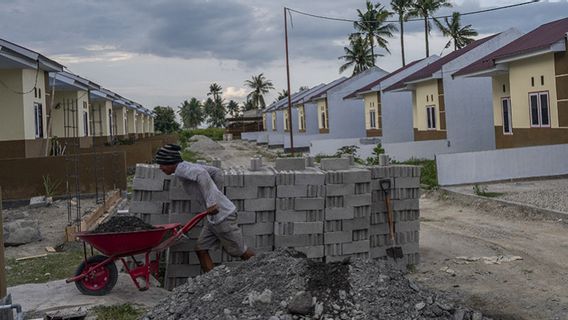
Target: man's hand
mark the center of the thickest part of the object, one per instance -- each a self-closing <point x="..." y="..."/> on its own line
<point x="213" y="210"/>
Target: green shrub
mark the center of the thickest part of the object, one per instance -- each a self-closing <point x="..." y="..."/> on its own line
<point x="429" y="175"/>
<point x="213" y="133"/>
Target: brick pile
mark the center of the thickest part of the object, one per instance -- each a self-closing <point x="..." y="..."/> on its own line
<point x="300" y="205"/>
<point x="405" y="195"/>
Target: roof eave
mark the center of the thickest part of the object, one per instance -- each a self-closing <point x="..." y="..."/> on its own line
<point x="558" y="46"/>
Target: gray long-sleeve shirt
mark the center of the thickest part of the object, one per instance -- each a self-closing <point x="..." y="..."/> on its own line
<point x="204" y="176"/>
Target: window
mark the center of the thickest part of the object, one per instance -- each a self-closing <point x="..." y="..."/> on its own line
<point x="506" y="113"/>
<point x="39" y="93"/>
<point x="542" y="80"/>
<point x="532" y="81"/>
<point x="125" y="124"/>
<point x="504" y="88"/>
<point x="86" y="123"/>
<point x="110" y="128"/>
<point x="431" y="115"/>
<point x="286" y="121"/>
<point x="372" y="119"/>
<point x="539" y="109"/>
<point x="38" y="120"/>
<point x="324" y="117"/>
<point x="301" y="118"/>
<point x="273" y="121"/>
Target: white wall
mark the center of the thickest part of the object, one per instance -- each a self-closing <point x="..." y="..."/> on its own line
<point x="504" y="164"/>
<point x="250" y="136"/>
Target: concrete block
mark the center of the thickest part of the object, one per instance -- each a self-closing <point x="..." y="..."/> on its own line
<point x="148" y="184"/>
<point x="267" y="192"/>
<point x="291" y="191"/>
<point x="362" y="187"/>
<point x="355" y="247"/>
<point x="356" y="200"/>
<point x="382" y="229"/>
<point x="182" y="206"/>
<point x="216" y="163"/>
<point x="337" y="237"/>
<point x="311" y="176"/>
<point x="315" y="215"/>
<point x="407" y="182"/>
<point x="290" y="164"/>
<point x="262" y="204"/>
<point x="334" y="164"/>
<point x="260" y="242"/>
<point x="360" y="235"/>
<point x="291" y="216"/>
<point x="360" y="223"/>
<point x="285" y="204"/>
<point x="265" y="216"/>
<point x="339" y="213"/>
<point x="400" y="205"/>
<point x="333" y="177"/>
<point x="258" y="229"/>
<point x="246" y="217"/>
<point x="302" y="240"/>
<point x="308" y="203"/>
<point x="241" y="193"/>
<point x="310" y="161"/>
<point x="362" y="212"/>
<point x="334" y="202"/>
<point x="315" y="191"/>
<point x="351" y="159"/>
<point x="262" y="178"/>
<point x="307" y="227"/>
<point x="356" y="176"/>
<point x="149" y="207"/>
<point x="285" y="178"/>
<point x="339" y="189"/>
<point x="255" y="164"/>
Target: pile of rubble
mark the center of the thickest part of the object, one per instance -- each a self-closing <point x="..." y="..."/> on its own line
<point x="285" y="285"/>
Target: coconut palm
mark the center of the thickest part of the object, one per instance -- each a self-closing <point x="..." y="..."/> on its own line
<point x="282" y="94"/>
<point x="215" y="90"/>
<point x="233" y="108"/>
<point x="372" y="24"/>
<point x="191" y="113"/>
<point x="358" y="55"/>
<point x="248" y="105"/>
<point x="403" y="8"/>
<point x="259" y="86"/>
<point x="424" y="8"/>
<point x="460" y="35"/>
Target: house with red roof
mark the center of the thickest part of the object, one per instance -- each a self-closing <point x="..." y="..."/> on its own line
<point x="388" y="115"/>
<point x="529" y="80"/>
<point x="453" y="114"/>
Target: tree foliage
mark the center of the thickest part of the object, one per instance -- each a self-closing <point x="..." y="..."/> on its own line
<point x="373" y="25"/>
<point x="403" y="9"/>
<point x="191" y="113"/>
<point x="259" y="86"/>
<point x="460" y="35"/>
<point x="282" y="94"/>
<point x="217" y="113"/>
<point x="233" y="108"/>
<point x="215" y="90"/>
<point x="358" y="55"/>
<point x="424" y="9"/>
<point x="165" y="120"/>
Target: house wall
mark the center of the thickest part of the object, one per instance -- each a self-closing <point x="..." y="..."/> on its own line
<point x="100" y="125"/>
<point x="29" y="78"/>
<point x="372" y="101"/>
<point x="119" y="114"/>
<point x="561" y="70"/>
<point x="80" y="98"/>
<point x="427" y="93"/>
<point x="312" y="125"/>
<point x="301" y="113"/>
<point x="11" y="106"/>
<point x="396" y="117"/>
<point x="139" y="122"/>
<point x="131" y="119"/>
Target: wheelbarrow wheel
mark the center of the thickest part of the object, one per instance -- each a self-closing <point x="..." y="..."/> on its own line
<point x="99" y="281"/>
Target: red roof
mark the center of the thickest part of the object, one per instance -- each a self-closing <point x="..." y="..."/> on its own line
<point x="376" y="82"/>
<point x="538" y="39"/>
<point x="437" y="65"/>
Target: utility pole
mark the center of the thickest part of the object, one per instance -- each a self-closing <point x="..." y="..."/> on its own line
<point x="288" y="78"/>
<point x="3" y="284"/>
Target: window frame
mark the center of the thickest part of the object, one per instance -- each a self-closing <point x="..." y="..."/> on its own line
<point x="431" y="117"/>
<point x="86" y="123"/>
<point x="38" y="120"/>
<point x="510" y="117"/>
<point x="372" y="119"/>
<point x="538" y="95"/>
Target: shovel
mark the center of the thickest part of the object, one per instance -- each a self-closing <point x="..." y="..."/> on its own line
<point x="393" y="251"/>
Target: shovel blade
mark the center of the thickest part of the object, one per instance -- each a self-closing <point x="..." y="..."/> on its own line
<point x="395" y="252"/>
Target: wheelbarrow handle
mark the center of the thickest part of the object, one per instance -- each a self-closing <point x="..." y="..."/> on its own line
<point x="179" y="233"/>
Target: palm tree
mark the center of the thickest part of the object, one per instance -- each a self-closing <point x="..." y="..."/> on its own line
<point x="191" y="113"/>
<point x="461" y="36"/>
<point x="217" y="115"/>
<point x="259" y="86"/>
<point x="281" y="95"/>
<point x="233" y="108"/>
<point x="358" y="54"/>
<point x="424" y="8"/>
<point x="248" y="105"/>
<point x="215" y="90"/>
<point x="372" y="23"/>
<point x="403" y="8"/>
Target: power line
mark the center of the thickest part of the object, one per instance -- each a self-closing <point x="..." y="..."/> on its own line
<point x="415" y="19"/>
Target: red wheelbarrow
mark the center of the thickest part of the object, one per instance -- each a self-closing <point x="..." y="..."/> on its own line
<point x="97" y="275"/>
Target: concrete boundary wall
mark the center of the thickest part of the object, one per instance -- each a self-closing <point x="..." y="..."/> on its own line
<point x="329" y="213"/>
<point x="250" y="136"/>
<point x="505" y="164"/>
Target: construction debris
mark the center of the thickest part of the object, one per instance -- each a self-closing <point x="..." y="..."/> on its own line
<point x="285" y="285"/>
<point x="123" y="224"/>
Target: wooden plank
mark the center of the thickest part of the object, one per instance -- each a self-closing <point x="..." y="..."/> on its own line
<point x="31" y="257"/>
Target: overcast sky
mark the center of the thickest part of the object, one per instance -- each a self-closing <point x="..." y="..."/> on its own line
<point x="161" y="52"/>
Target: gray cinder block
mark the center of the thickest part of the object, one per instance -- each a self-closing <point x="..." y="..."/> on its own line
<point x="355" y="247"/>
<point x="356" y="176"/>
<point x="308" y="203"/>
<point x="236" y="193"/>
<point x="337" y="237"/>
<point x="261" y="204"/>
<point x="356" y="200"/>
<point x="339" y="213"/>
<point x="334" y="164"/>
<point x="257" y="229"/>
<point x="290" y="164"/>
<point x="312" y="251"/>
<point x="246" y="217"/>
<point x="307" y="227"/>
<point x="311" y="176"/>
<point x="291" y="191"/>
<point x="339" y="189"/>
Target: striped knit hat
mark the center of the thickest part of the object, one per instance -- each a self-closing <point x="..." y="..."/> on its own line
<point x="169" y="154"/>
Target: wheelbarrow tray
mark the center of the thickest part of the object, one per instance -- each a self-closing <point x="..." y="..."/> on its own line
<point x="118" y="244"/>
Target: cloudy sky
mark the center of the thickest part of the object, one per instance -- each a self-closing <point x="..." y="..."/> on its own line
<point x="160" y="52"/>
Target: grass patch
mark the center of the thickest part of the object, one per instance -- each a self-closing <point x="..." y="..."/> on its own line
<point x="117" y="312"/>
<point x="55" y="266"/>
<point x="480" y="190"/>
<point x="189" y="155"/>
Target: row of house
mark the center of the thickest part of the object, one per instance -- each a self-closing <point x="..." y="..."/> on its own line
<point x="40" y="100"/>
<point x="506" y="90"/>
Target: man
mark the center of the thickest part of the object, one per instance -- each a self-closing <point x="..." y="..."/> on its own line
<point x="221" y="225"/>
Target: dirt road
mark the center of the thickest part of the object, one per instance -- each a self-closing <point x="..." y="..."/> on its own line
<point x="535" y="287"/>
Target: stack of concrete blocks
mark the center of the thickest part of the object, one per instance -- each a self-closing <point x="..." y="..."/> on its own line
<point x="253" y="192"/>
<point x="347" y="210"/>
<point x="300" y="204"/>
<point x="150" y="199"/>
<point x="405" y="195"/>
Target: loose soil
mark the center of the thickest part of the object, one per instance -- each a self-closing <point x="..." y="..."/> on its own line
<point x="122" y="224"/>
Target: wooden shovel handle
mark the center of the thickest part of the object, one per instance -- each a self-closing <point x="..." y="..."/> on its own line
<point x="390" y="217"/>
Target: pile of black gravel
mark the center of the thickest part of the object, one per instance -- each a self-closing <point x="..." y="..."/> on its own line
<point x="122" y="224"/>
<point x="283" y="285"/>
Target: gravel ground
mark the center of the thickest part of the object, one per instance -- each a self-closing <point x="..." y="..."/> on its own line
<point x="284" y="285"/>
<point x="549" y="194"/>
<point x="203" y="144"/>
